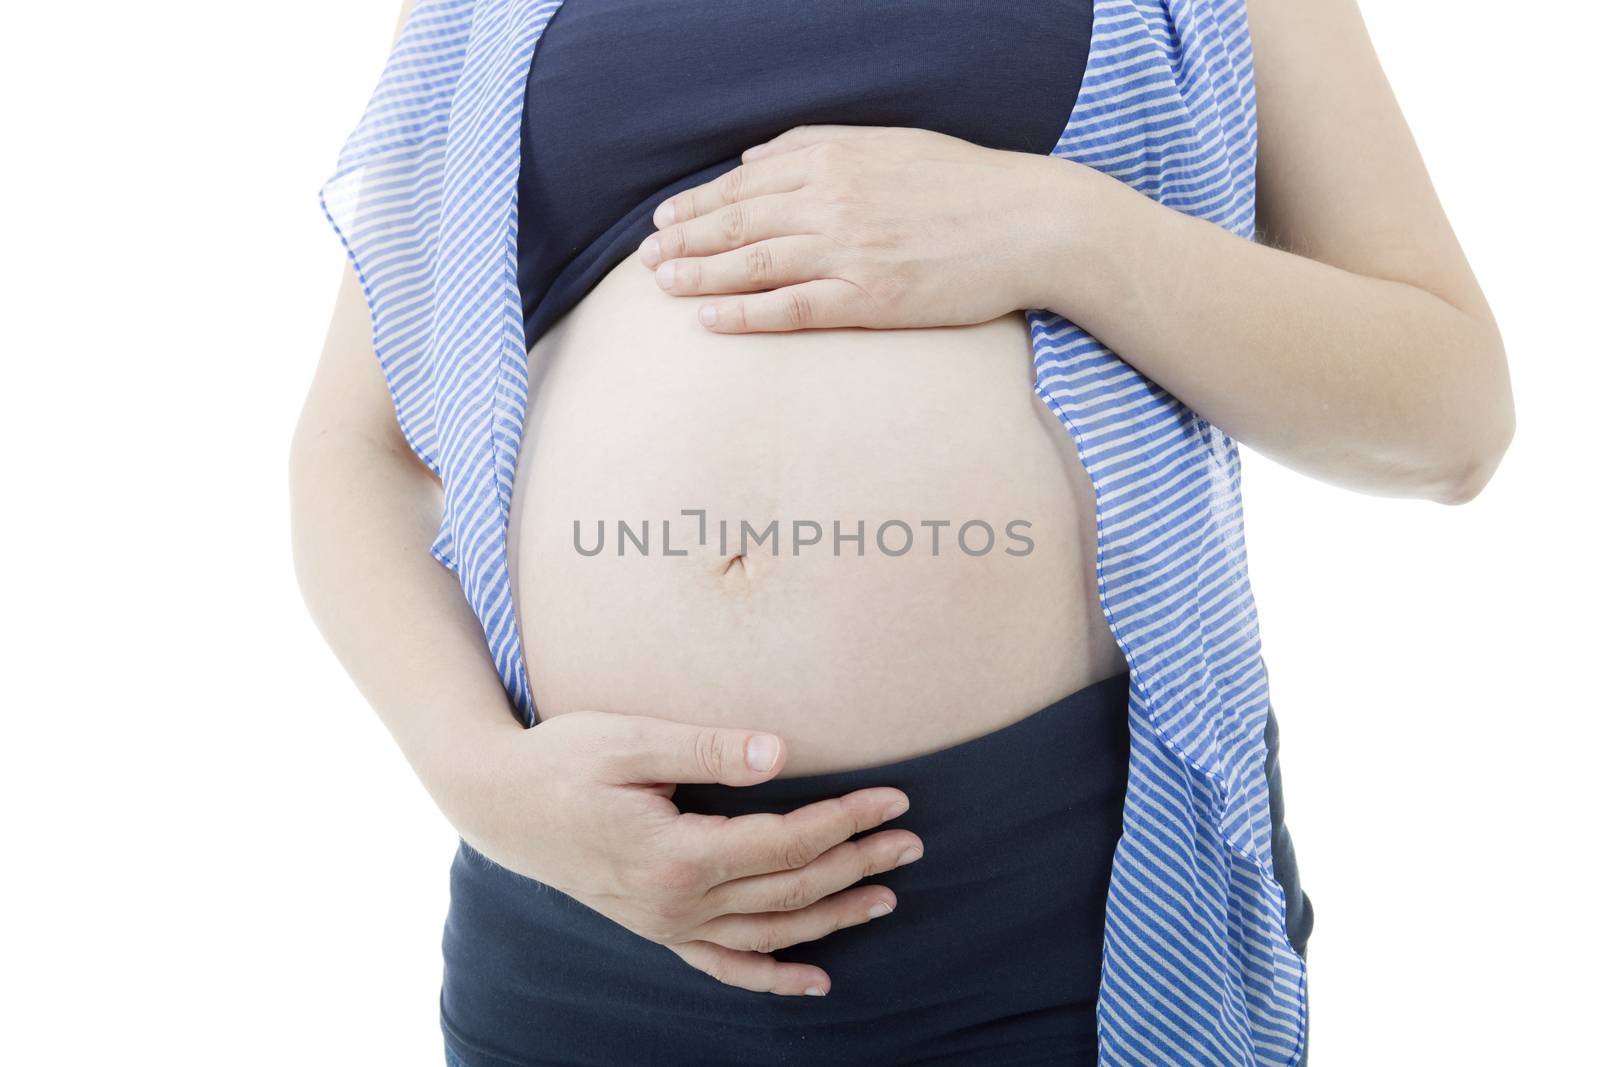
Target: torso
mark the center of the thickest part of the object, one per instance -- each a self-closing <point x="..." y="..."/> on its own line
<point x="638" y="413"/>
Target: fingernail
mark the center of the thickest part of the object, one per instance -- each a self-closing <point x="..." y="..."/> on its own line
<point x="815" y="991"/>
<point x="664" y="214"/>
<point x="895" y="810"/>
<point x="650" y="251"/>
<point x="879" y="910"/>
<point x="910" y="855"/>
<point x="708" y="314"/>
<point x="761" y="752"/>
<point x="664" y="275"/>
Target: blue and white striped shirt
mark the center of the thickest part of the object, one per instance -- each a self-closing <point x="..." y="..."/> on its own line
<point x="1198" y="968"/>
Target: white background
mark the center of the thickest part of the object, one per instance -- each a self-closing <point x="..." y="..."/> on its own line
<point x="213" y="853"/>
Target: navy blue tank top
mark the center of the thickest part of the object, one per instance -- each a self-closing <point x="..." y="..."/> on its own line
<point x="630" y="101"/>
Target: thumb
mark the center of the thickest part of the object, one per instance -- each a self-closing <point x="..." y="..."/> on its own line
<point x="649" y="750"/>
<point x="802" y="136"/>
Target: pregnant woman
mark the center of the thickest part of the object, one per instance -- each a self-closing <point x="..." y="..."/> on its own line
<point x="824" y="415"/>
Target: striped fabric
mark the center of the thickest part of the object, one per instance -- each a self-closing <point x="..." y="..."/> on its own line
<point x="1198" y="968"/>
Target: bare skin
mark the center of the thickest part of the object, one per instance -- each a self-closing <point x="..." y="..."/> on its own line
<point x="1352" y="343"/>
<point x="857" y="656"/>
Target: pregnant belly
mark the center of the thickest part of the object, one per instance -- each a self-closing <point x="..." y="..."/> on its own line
<point x="874" y="543"/>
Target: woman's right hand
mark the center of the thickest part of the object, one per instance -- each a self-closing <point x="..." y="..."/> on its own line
<point x="582" y="802"/>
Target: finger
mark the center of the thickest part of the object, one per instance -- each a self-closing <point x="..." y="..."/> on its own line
<point x="817" y="304"/>
<point x="744" y="182"/>
<point x="728" y="227"/>
<point x="745" y="845"/>
<point x="764" y="265"/>
<point x="770" y="931"/>
<point x="754" y="971"/>
<point x="835" y="870"/>
<point x="637" y="749"/>
<point x="802" y="136"/>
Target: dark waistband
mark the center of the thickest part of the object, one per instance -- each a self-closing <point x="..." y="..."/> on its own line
<point x="991" y="956"/>
<point x="1072" y="749"/>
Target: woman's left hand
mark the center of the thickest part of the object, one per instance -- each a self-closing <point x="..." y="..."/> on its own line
<point x="873" y="226"/>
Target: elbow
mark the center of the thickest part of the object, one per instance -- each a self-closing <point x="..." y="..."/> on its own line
<point x="296" y="461"/>
<point x="301" y="460"/>
<point x="1474" y="476"/>
<point x="1493" y="431"/>
<point x="320" y="473"/>
<point x="303" y="497"/>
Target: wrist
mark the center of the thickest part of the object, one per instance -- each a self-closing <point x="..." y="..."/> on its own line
<point x="1078" y="240"/>
<point x="468" y="770"/>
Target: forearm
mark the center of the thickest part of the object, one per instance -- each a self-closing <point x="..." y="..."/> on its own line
<point x="1360" y="381"/>
<point x="363" y="515"/>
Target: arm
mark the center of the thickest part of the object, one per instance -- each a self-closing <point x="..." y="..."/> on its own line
<point x="1353" y="345"/>
<point x="363" y="512"/>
